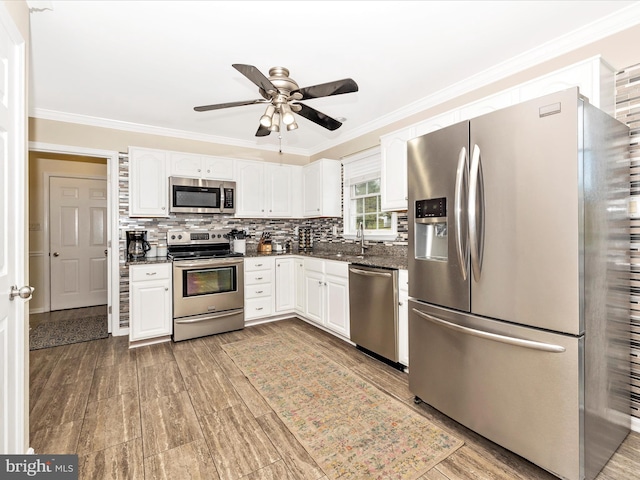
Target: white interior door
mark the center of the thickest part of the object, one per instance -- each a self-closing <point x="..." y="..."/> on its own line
<point x="14" y="387"/>
<point x="78" y="242"/>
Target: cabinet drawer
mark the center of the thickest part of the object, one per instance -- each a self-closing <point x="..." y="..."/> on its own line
<point x="261" y="276"/>
<point x="141" y="273"/>
<point x="258" y="307"/>
<point x="258" y="290"/>
<point x="314" y="265"/>
<point x="255" y="264"/>
<point x="338" y="269"/>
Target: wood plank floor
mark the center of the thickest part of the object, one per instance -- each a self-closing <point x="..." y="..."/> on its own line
<point x="184" y="410"/>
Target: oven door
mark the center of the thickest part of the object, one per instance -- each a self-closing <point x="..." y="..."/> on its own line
<point x="207" y="286"/>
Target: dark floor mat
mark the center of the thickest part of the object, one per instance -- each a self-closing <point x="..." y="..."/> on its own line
<point x="65" y="332"/>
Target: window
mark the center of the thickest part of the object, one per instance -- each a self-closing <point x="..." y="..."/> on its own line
<point x="362" y="199"/>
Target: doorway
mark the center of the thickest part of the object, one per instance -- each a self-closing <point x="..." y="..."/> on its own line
<point x="48" y="162"/>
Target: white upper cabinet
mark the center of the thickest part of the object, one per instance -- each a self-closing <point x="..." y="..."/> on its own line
<point x="148" y="183"/>
<point x="267" y="190"/>
<point x="594" y="77"/>
<point x="200" y="166"/>
<point x="393" y="174"/>
<point x="322" y="184"/>
<point x="250" y="189"/>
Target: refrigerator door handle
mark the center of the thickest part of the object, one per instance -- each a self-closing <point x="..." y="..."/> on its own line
<point x="460" y="190"/>
<point x="518" y="342"/>
<point x="476" y="213"/>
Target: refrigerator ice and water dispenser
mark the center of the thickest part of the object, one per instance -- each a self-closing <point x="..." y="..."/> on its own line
<point x="431" y="229"/>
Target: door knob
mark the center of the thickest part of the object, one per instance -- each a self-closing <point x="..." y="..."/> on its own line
<point x="56" y="254"/>
<point x="105" y="252"/>
<point x="24" y="292"/>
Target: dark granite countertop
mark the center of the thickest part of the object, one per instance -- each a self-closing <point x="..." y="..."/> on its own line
<point x="386" y="261"/>
<point x="372" y="260"/>
<point x="147" y="261"/>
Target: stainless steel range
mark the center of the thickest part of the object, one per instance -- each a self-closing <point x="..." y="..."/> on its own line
<point x="208" y="283"/>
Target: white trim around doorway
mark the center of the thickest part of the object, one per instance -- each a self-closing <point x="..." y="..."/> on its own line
<point x="112" y="218"/>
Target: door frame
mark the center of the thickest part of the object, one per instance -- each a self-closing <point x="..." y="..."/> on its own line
<point x="113" y="269"/>
<point x="46" y="237"/>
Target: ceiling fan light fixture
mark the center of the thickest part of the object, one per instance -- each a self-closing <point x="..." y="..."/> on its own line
<point x="287" y="114"/>
<point x="275" y="122"/>
<point x="266" y="120"/>
<point x="292" y="126"/>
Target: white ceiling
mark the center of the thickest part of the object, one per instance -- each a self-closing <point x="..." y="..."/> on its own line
<point x="144" y="65"/>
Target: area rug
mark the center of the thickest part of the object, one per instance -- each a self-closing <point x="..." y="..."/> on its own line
<point x="350" y="428"/>
<point x="65" y="332"/>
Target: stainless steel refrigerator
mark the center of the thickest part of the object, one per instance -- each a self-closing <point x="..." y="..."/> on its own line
<point x="519" y="279"/>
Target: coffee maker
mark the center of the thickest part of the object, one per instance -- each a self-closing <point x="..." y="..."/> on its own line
<point x="137" y="245"/>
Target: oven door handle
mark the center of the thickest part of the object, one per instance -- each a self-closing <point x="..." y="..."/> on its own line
<point x="207" y="263"/>
<point x="210" y="317"/>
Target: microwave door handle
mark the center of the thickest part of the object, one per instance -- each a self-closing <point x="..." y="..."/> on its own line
<point x="462" y="248"/>
<point x="222" y="202"/>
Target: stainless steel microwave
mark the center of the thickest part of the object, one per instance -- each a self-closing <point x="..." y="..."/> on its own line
<point x="195" y="195"/>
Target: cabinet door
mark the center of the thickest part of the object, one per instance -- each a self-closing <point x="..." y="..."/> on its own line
<point x="218" y="168"/>
<point x="250" y="189"/>
<point x="285" y="294"/>
<point x="311" y="181"/>
<point x="148" y="183"/>
<point x="150" y="309"/>
<point x="298" y="276"/>
<point x="403" y="317"/>
<point x="185" y="165"/>
<point x="337" y="304"/>
<point x="314" y="296"/>
<point x="278" y="182"/>
<point x="393" y="184"/>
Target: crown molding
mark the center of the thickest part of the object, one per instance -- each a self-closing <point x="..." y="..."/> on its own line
<point x="58" y="116"/>
<point x="606" y="26"/>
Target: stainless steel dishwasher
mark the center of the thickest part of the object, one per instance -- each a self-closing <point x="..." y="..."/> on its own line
<point x="373" y="310"/>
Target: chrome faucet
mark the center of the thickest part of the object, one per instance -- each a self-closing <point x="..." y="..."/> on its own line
<point x="360" y="235"/>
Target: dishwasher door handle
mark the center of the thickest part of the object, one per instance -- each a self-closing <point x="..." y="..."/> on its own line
<point x="369" y="273"/>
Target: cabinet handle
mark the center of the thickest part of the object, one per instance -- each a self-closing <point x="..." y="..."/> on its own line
<point x="400" y="303"/>
<point x="319" y="282"/>
<point x="151" y="273"/>
<point x="198" y="170"/>
<point x="163" y="208"/>
<point x="208" y="171"/>
<point x="166" y="289"/>
<point x="259" y="278"/>
<point x="258" y="264"/>
<point x="259" y="291"/>
<point x="259" y="308"/>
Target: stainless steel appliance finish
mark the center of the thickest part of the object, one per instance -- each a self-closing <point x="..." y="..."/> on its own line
<point x="519" y="278"/>
<point x="373" y="309"/>
<point x="208" y="284"/>
<point x="196" y="195"/>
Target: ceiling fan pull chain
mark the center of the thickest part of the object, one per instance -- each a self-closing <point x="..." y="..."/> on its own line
<point x="280" y="142"/>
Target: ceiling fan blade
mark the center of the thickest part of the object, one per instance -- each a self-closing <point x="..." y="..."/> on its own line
<point x="262" y="131"/>
<point x="218" y="106"/>
<point x="338" y="87"/>
<point x="256" y="76"/>
<point x="318" y="117"/>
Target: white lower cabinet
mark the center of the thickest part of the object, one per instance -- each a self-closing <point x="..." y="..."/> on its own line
<point x="285" y="291"/>
<point x="326" y="284"/>
<point x="258" y="287"/>
<point x="150" y="301"/>
<point x="298" y="278"/>
<point x="403" y="317"/>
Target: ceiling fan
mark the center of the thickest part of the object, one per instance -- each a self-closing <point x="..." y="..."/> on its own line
<point x="282" y="95"/>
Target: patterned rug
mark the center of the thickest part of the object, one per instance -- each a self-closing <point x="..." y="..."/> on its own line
<point x="350" y="428"/>
<point x="64" y="332"/>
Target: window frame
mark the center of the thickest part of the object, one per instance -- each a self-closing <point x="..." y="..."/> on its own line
<point x="369" y="168"/>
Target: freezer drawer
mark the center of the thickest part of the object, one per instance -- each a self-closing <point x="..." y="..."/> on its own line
<point x="519" y="387"/>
